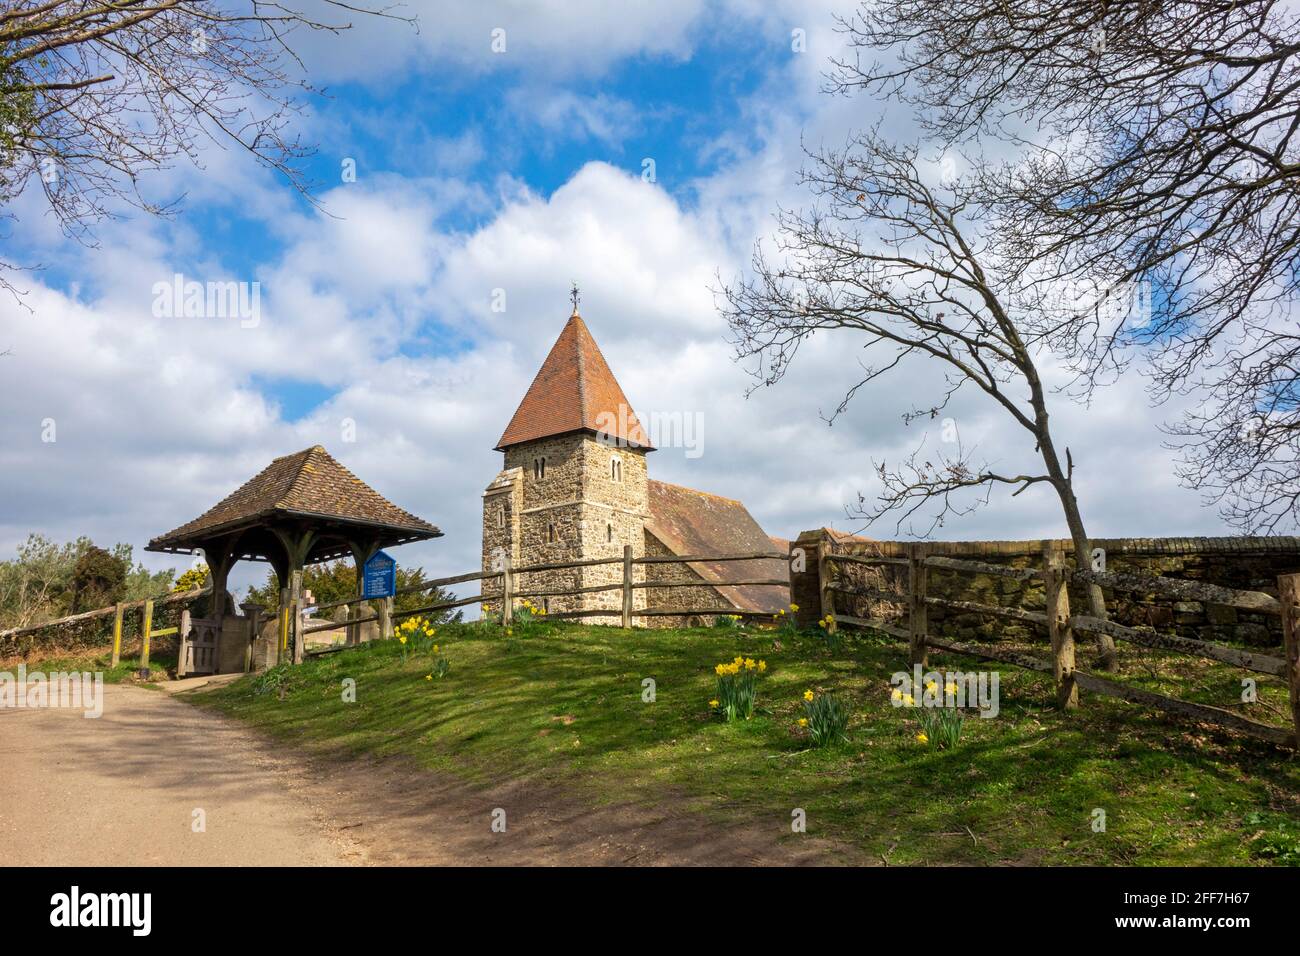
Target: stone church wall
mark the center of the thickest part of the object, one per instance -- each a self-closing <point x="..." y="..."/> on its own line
<point x="694" y="593"/>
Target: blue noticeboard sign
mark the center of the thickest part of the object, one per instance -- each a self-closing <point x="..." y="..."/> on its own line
<point x="379" y="576"/>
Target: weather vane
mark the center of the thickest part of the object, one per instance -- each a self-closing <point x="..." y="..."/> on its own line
<point x="576" y="296"/>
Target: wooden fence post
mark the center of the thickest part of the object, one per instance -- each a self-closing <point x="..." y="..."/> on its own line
<point x="145" y="630"/>
<point x="507" y="593"/>
<point x="824" y="585"/>
<point x="1288" y="592"/>
<point x="1055" y="578"/>
<point x="918" y="618"/>
<point x="386" y="619"/>
<point x="627" y="585"/>
<point x="118" y="609"/>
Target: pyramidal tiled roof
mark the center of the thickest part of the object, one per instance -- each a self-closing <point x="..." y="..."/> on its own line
<point x="309" y="482"/>
<point x="574" y="391"/>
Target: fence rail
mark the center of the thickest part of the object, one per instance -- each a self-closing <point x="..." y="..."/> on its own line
<point x="510" y="591"/>
<point x="1061" y="626"/>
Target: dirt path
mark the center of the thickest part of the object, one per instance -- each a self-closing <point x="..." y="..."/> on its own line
<point x="122" y="790"/>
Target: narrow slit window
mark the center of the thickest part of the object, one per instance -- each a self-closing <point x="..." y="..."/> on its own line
<point x="539" y="468"/>
<point x="616" y="469"/>
<point x="609" y="532"/>
<point x="550" y="533"/>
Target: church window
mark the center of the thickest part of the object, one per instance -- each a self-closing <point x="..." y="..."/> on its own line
<point x="609" y="532"/>
<point x="539" y="468"/>
<point x="616" y="469"/>
<point x="550" y="533"/>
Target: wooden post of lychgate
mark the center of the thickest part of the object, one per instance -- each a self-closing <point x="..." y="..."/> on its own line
<point x="299" y="637"/>
<point x="146" y="628"/>
<point x="1055" y="578"/>
<point x="1288" y="592"/>
<point x="296" y="636"/>
<point x="386" y="619"/>
<point x="182" y="643"/>
<point x="918" y="617"/>
<point x="824" y="585"/>
<point x="507" y="593"/>
<point x="282" y="644"/>
<point x="118" y="609"/>
<point x="627" y="585"/>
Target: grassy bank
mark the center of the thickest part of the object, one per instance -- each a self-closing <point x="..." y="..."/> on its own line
<point x="565" y="704"/>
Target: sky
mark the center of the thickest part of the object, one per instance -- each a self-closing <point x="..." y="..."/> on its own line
<point x="468" y="173"/>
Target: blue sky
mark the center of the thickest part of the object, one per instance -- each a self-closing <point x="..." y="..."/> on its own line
<point x="481" y="174"/>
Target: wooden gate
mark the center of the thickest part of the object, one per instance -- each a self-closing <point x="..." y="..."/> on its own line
<point x="198" y="646"/>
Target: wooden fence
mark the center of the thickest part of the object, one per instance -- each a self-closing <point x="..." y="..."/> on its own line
<point x="512" y="589"/>
<point x="118" y="612"/>
<point x="1061" y="626"/>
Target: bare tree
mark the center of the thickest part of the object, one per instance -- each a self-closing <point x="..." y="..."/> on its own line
<point x="905" y="266"/>
<point x="94" y="93"/>
<point x="1161" y="145"/>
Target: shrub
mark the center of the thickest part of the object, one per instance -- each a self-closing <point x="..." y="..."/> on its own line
<point x="784" y="619"/>
<point x="940" y="726"/>
<point x="736" y="687"/>
<point x="526" y="613"/>
<point x="1278" y="843"/>
<point x="826" y="717"/>
<point x="829" y="634"/>
<point x="416" y="635"/>
<point x="273" y="680"/>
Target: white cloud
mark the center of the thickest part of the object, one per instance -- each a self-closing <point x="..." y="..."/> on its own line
<point x="159" y="419"/>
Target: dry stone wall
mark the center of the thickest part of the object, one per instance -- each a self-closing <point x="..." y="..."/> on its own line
<point x="1240" y="562"/>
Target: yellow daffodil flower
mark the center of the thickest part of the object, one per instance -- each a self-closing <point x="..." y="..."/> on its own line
<point x="808" y="695"/>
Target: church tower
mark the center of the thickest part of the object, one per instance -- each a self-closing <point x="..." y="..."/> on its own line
<point x="574" y="484"/>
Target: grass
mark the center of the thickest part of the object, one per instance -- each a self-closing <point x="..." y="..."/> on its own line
<point x="162" y="664"/>
<point x="564" y="704"/>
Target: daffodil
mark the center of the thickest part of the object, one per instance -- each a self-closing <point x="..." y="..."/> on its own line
<point x="713" y="703"/>
<point x="428" y="677"/>
<point x="922" y="737"/>
<point x="762" y="666"/>
<point x="808" y="695"/>
<point x="803" y="721"/>
<point x="896" y="695"/>
<point x="794" y="608"/>
<point x="402" y="638"/>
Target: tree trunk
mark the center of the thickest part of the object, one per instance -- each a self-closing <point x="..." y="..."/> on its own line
<point x="1078" y="536"/>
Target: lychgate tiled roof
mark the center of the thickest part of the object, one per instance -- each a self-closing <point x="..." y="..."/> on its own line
<point x="687" y="521"/>
<point x="310" y="482"/>
<point x="574" y="391"/>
